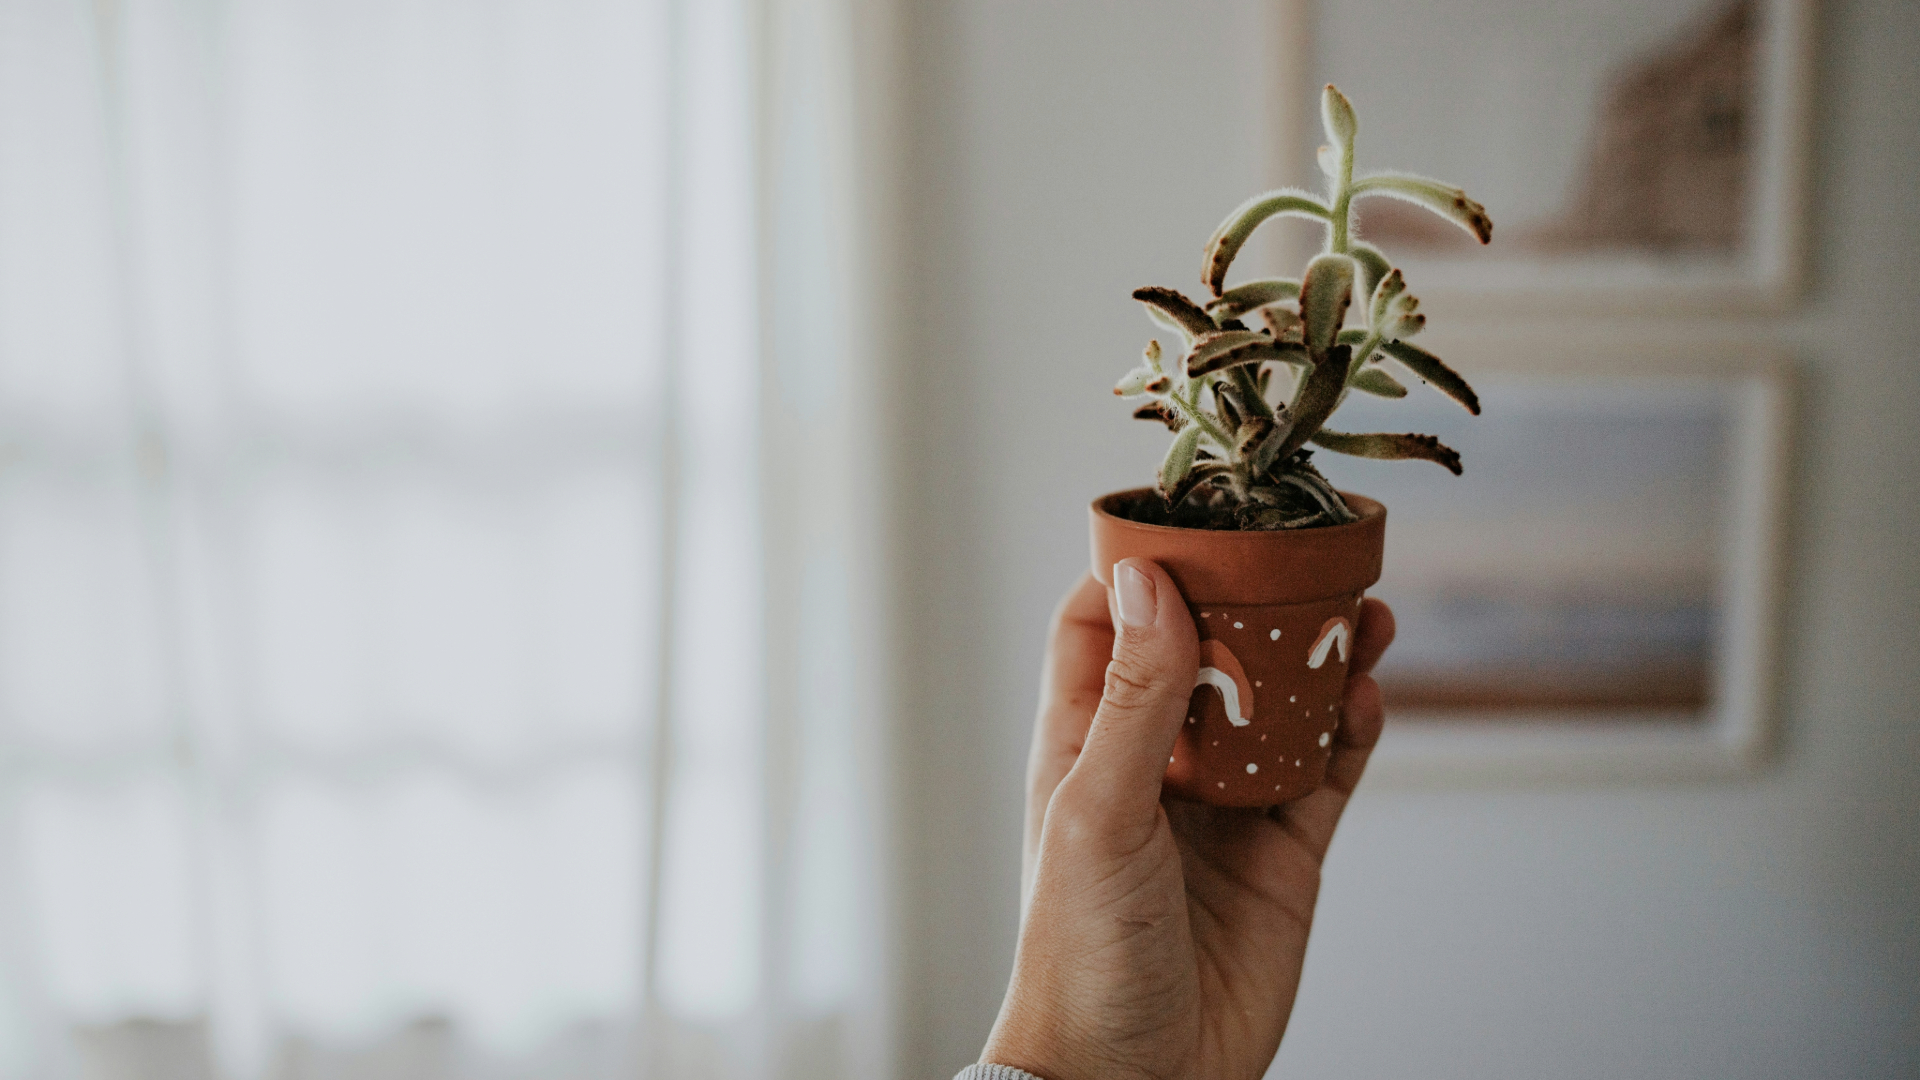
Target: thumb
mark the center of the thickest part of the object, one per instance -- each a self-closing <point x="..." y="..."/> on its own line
<point x="1149" y="682"/>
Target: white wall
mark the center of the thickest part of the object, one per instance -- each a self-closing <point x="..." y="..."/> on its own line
<point x="1063" y="152"/>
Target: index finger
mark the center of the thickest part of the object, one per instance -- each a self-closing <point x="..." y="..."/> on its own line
<point x="1079" y="644"/>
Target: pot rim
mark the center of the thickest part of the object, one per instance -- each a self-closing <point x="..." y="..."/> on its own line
<point x="1221" y="566"/>
<point x="1367" y="508"/>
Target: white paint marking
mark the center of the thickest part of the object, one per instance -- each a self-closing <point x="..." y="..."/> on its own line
<point x="1239" y="626"/>
<point x="1273" y="635"/>
<point x="1229" y="693"/>
<point x="1252" y="768"/>
<point x="1326" y="737"/>
<point x="1337" y="634"/>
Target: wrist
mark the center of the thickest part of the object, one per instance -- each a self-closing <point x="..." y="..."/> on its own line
<point x="1025" y="1039"/>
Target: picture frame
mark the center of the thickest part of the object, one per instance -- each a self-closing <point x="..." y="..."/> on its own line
<point x="1721" y="412"/>
<point x="1548" y="127"/>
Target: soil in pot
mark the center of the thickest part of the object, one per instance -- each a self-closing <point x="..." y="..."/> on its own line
<point x="1276" y="612"/>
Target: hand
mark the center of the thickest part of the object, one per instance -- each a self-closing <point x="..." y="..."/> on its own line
<point x="1159" y="938"/>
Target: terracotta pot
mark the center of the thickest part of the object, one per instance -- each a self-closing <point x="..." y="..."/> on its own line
<point x="1276" y="613"/>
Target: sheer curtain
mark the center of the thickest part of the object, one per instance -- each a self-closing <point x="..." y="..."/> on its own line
<point x="414" y="658"/>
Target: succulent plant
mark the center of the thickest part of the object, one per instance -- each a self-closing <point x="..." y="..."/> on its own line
<point x="1238" y="459"/>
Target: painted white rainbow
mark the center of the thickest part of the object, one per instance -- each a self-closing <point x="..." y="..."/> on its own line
<point x="1220" y="669"/>
<point x="1335" y="631"/>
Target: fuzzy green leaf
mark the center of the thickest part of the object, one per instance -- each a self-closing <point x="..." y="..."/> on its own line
<point x="1374" y="381"/>
<point x="1229" y="415"/>
<point x="1405" y="326"/>
<point x="1384" y="294"/>
<point x="1232" y="234"/>
<point x="1336" y="115"/>
<point x="1241" y="382"/>
<point x="1390" y="447"/>
<point x="1374" y="267"/>
<point x="1325" y="292"/>
<point x="1223" y="341"/>
<point x="1329" y="160"/>
<point x="1202" y="471"/>
<point x="1248" y="355"/>
<point x="1241" y="299"/>
<point x="1255" y="431"/>
<point x="1134" y="383"/>
<point x="1353" y="335"/>
<point x="1231" y="347"/>
<point x="1263" y="449"/>
<point x="1434" y="370"/>
<point x="1284" y="325"/>
<point x="1235" y="396"/>
<point x="1444" y="199"/>
<point x="1169" y="323"/>
<point x="1319" y="393"/>
<point x="1178" y="462"/>
<point x="1185" y="314"/>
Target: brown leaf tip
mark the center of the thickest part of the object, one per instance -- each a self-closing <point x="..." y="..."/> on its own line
<point x="1438" y="452"/>
<point x="1161" y="411"/>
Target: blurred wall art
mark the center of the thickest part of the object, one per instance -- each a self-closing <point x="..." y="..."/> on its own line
<point x="1635" y="155"/>
<point x="1596" y="589"/>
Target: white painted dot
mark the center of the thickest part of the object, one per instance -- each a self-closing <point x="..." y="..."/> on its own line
<point x="1296" y="762"/>
<point x="1219" y="783"/>
<point x="1293" y="697"/>
<point x="1257" y="682"/>
<point x="1252" y="768"/>
<point x="1189" y="719"/>
<point x="1239" y="626"/>
<point x="1276" y="787"/>
<point x="1169" y="761"/>
<point x="1326" y="737"/>
<point x="1263" y="738"/>
<point x="1216" y="742"/>
<point x="1273" y="635"/>
<point x="1206" y="614"/>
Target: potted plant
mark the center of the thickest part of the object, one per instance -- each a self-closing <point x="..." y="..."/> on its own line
<point x="1271" y="558"/>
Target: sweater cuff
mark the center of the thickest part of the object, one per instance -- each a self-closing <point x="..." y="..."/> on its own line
<point x="993" y="1072"/>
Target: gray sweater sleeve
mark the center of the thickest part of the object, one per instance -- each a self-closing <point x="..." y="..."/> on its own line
<point x="993" y="1072"/>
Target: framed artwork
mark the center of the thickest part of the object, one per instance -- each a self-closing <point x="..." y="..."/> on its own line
<point x="1596" y="594"/>
<point x="1636" y="155"/>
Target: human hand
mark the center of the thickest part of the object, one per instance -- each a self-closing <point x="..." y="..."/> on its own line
<point x="1159" y="939"/>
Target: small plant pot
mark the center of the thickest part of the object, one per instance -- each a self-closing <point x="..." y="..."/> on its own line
<point x="1277" y="612"/>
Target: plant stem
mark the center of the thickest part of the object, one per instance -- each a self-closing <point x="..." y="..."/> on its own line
<point x="1337" y="239"/>
<point x="1196" y="415"/>
<point x="1360" y="355"/>
<point x="1250" y="390"/>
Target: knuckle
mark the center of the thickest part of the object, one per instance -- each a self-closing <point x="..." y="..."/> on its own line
<point x="1076" y="818"/>
<point x="1130" y="685"/>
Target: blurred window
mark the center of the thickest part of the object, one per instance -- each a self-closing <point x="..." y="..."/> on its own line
<point x="382" y="686"/>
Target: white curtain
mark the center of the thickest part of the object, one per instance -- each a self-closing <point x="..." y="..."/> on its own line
<point x="417" y="655"/>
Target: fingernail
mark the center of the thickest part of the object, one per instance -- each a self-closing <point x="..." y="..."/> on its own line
<point x="1133" y="593"/>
